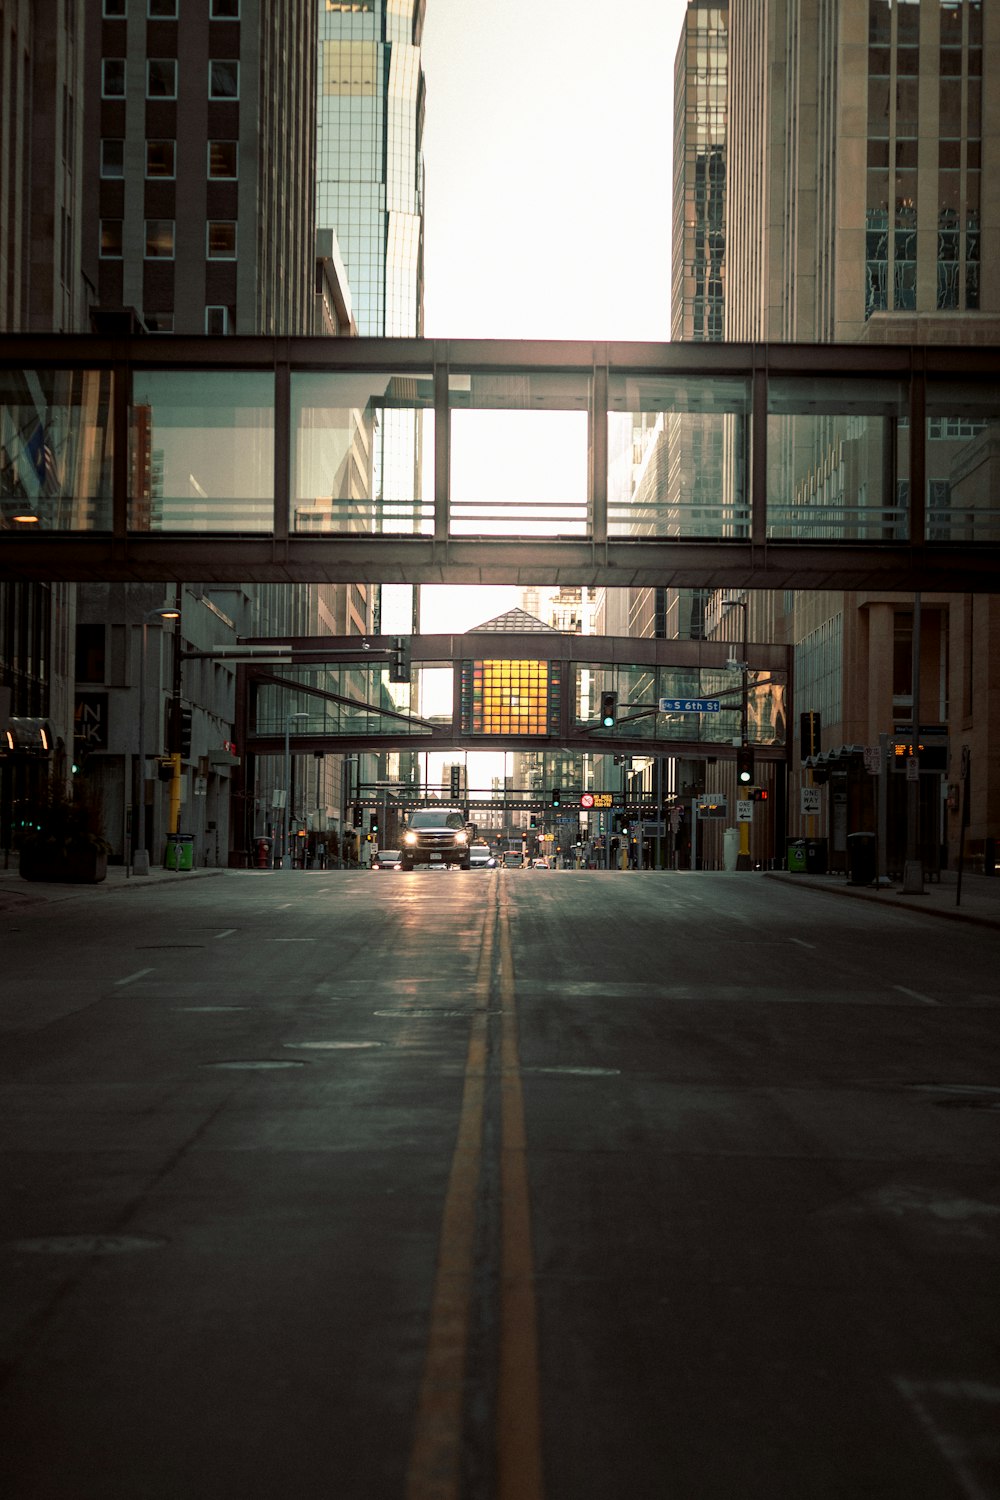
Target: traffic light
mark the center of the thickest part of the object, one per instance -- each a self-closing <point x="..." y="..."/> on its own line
<point x="359" y="816"/>
<point x="744" y="766"/>
<point x="180" y="731"/>
<point x="373" y="822"/>
<point x="456" y="781"/>
<point x="534" y="821"/>
<point x="399" y="665"/>
<point x="609" y="710"/>
<point x="556" y="797"/>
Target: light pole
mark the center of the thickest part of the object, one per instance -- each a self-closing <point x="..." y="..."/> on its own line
<point x="743" y="861"/>
<point x="140" y="859"/>
<point x="286" y="858"/>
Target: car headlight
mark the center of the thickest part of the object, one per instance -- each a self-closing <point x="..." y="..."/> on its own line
<point x="461" y="838"/>
<point x="409" y="838"/>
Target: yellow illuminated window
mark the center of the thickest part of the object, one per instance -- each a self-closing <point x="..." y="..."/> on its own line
<point x="510" y="697"/>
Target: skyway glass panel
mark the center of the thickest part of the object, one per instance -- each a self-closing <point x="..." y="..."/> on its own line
<point x="55" y="450"/>
<point x="362" y="453"/>
<point x="343" y="701"/>
<point x="519" y="453"/>
<point x="963" y="462"/>
<point x="678" y="456"/>
<point x="837" y="459"/>
<point x="202" y="451"/>
<point x="640" y="689"/>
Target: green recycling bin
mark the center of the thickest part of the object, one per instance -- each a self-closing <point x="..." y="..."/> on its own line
<point x="796" y="853"/>
<point x="180" y="851"/>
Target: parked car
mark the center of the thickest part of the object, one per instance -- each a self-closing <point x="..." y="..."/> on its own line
<point x="435" y="836"/>
<point x="481" y="857"/>
<point x="386" y="859"/>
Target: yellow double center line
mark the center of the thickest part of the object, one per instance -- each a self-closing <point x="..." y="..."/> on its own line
<point x="435" y="1459"/>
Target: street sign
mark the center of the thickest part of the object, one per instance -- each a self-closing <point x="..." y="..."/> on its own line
<point x="690" y="705"/>
<point x="809" y="803"/>
<point x="712" y="805"/>
<point x="586" y="799"/>
<point x="873" y="760"/>
<point x="744" y="811"/>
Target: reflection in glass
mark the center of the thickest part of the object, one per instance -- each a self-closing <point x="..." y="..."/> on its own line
<point x="963" y="454"/>
<point x="346" y="474"/>
<point x="640" y="689"/>
<point x="677" y="456"/>
<point x="55" y="450"/>
<point x="202" y="451"/>
<point x="836" y="456"/>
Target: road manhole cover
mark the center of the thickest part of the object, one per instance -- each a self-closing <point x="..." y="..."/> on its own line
<point x="333" y="1046"/>
<point x="88" y="1244"/>
<point x="255" y="1065"/>
<point x="962" y="1095"/>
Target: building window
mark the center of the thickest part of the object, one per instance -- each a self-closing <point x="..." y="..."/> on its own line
<point x="161" y="78"/>
<point x="159" y="239"/>
<point x="114" y="9"/>
<point x="160" y="158"/>
<point x="112" y="158"/>
<point x="224" y="10"/>
<point x="223" y="160"/>
<point x="111" y="239"/>
<point x="158" y="322"/>
<point x="223" y="79"/>
<point x="217" y="321"/>
<point x="221" y="239"/>
<point x="113" y="78"/>
<point x="161" y="10"/>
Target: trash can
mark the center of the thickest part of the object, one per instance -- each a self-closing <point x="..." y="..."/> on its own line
<point x="796" y="853"/>
<point x="861" y="858"/>
<point x="816" y="857"/>
<point x="180" y="851"/>
<point x="262" y="853"/>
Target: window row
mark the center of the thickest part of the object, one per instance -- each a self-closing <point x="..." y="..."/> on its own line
<point x="161" y="78"/>
<point x="220" y="239"/>
<point x="218" y="320"/>
<point x="223" y="159"/>
<point x="168" y="10"/>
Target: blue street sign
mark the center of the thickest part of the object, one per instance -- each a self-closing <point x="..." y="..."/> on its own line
<point x="690" y="706"/>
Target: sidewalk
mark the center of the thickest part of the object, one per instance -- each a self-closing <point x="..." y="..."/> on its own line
<point x="15" y="891"/>
<point x="980" y="896"/>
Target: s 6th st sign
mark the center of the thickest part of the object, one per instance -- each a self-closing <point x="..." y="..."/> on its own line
<point x="690" y="705"/>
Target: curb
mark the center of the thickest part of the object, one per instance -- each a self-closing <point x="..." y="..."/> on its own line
<point x="885" y="898"/>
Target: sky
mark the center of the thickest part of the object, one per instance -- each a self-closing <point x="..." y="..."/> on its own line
<point x="547" y="154"/>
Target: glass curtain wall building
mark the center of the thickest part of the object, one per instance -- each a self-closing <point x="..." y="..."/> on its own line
<point x="370" y="191"/>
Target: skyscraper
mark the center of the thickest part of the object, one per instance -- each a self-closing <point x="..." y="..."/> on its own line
<point x="862" y="192"/>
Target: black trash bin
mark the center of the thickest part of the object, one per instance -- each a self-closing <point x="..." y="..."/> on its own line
<point x="861" y="858"/>
<point x="816" y="857"/>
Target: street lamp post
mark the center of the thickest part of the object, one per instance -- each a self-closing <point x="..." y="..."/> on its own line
<point x="286" y="858"/>
<point x="743" y="860"/>
<point x="140" y="859"/>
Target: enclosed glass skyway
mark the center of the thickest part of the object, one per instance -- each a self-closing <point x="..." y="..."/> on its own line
<point x="260" y="460"/>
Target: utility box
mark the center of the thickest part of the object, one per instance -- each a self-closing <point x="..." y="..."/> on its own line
<point x="861" y="859"/>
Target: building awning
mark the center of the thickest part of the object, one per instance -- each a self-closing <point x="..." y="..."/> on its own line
<point x="220" y="756"/>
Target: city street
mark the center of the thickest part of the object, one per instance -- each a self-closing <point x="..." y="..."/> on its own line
<point x="496" y="1185"/>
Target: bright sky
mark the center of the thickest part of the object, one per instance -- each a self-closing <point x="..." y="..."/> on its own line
<point x="547" y="149"/>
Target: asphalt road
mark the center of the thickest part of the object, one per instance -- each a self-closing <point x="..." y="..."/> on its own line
<point x="497" y="1186"/>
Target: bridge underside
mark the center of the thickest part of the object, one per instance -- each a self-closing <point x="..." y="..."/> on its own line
<point x="245" y="460"/>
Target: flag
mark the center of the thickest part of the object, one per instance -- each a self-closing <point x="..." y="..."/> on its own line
<point x="43" y="462"/>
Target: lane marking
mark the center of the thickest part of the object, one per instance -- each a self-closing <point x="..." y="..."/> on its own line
<point x="519" y="1439"/>
<point x="130" y="977"/>
<point x="434" y="1470"/>
<point x="802" y="942"/>
<point x="952" y="1449"/>
<point x="226" y="932"/>
<point x="915" y="994"/>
